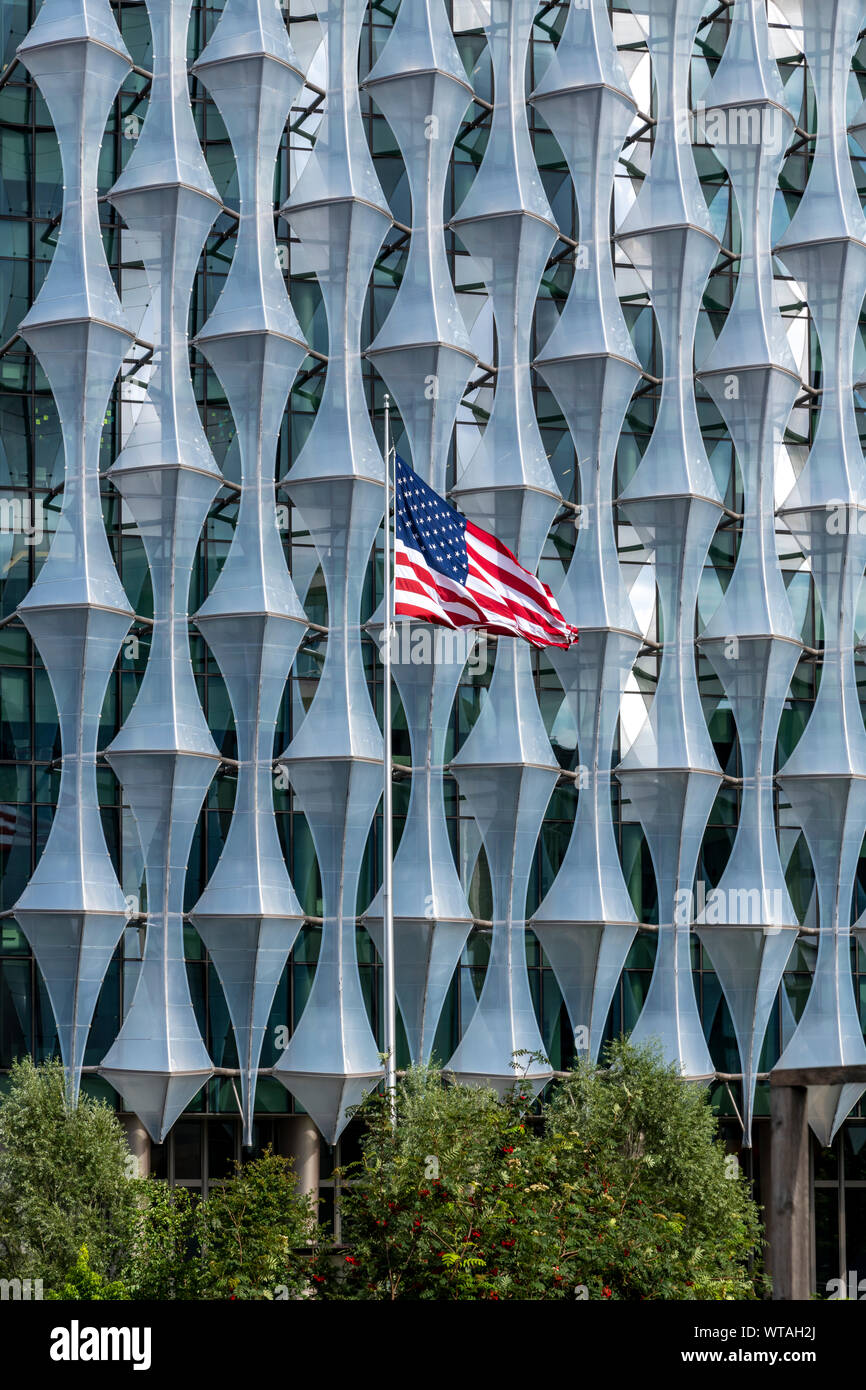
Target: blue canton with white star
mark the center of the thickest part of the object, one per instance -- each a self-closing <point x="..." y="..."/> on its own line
<point x="427" y="523"/>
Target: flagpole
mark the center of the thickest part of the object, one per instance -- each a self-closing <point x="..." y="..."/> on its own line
<point x="388" y="838"/>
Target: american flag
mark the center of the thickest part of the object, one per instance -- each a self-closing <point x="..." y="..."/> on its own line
<point x="448" y="571"/>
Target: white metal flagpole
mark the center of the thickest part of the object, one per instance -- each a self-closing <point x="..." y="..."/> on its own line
<point x="388" y="838"/>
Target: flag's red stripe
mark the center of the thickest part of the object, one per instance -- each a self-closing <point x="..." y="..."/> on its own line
<point x="408" y="610"/>
<point x="455" y="604"/>
<point x="488" y="600"/>
<point x="530" y="587"/>
<point x="479" y="534"/>
<point x="512" y="573"/>
<point x="457" y="597"/>
<point x="418" y="564"/>
<point x="436" y="598"/>
<point x="494" y="616"/>
<point x="513" y="576"/>
<point x="417" y="595"/>
<point x="511" y="606"/>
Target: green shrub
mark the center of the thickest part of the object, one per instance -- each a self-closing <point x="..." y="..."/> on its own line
<point x="617" y="1188"/>
<point x="163" y="1258"/>
<point x="252" y="1232"/>
<point x="64" y="1182"/>
<point x="82" y="1282"/>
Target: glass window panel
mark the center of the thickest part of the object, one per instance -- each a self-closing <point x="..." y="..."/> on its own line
<point x="48" y="190"/>
<point x="15" y="433"/>
<point x="15" y="714"/>
<point x="106" y="1017"/>
<point x="46" y="726"/>
<point x="16" y="1010"/>
<point x="15" y="172"/>
<point x="826" y="1237"/>
<point x="271" y="1097"/>
<point x="220" y="1149"/>
<point x="187" y="1149"/>
<point x="854" y="1140"/>
<point x="46" y="1044"/>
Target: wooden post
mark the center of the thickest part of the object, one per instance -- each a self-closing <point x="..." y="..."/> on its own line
<point x="789" y="1256"/>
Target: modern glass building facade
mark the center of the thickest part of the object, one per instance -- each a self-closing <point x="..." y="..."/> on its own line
<point x="609" y="262"/>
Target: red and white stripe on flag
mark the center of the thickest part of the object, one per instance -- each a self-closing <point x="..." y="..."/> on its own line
<point x="498" y="594"/>
<point x="8" y="826"/>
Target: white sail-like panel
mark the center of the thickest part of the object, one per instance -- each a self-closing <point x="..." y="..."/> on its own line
<point x="670" y="773"/>
<point x="825" y="777"/>
<point x="587" y="922"/>
<point x="72" y="910"/>
<point x="424" y="354"/>
<point x="337" y="483"/>
<point x="506" y="770"/>
<point x="749" y="925"/>
<point x="164" y="755"/>
<point x="248" y="915"/>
